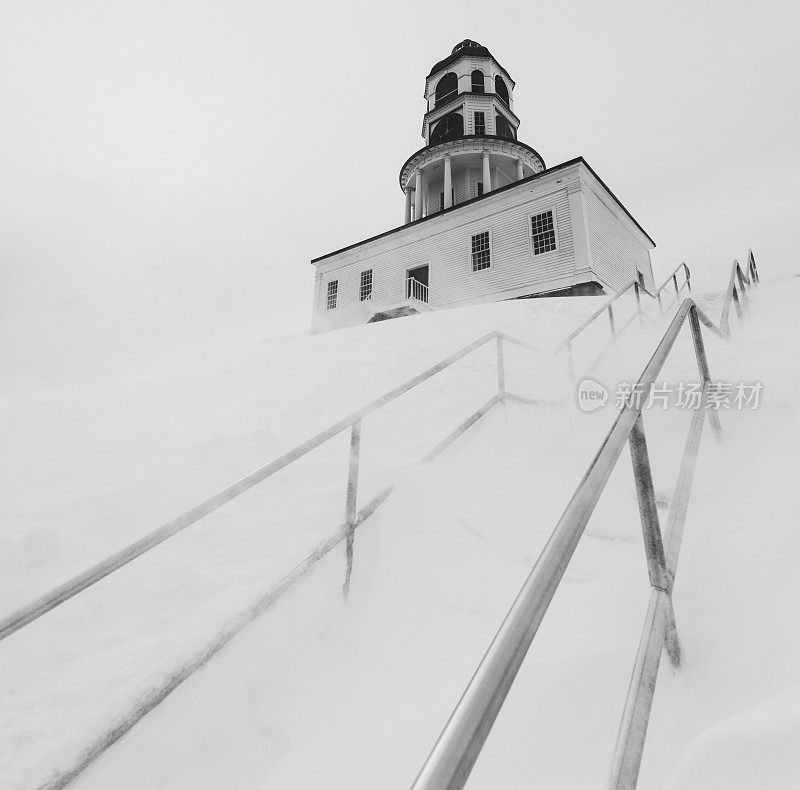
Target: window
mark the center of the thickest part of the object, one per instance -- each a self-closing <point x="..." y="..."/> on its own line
<point x="480" y="123"/>
<point x="446" y="88"/>
<point x="448" y="128"/>
<point x="503" y="128"/>
<point x="333" y="292"/>
<point x="479" y="186"/>
<point x="477" y="81"/>
<point x="543" y="233"/>
<point x="481" y="254"/>
<point x="365" y="292"/>
<point x="500" y="89"/>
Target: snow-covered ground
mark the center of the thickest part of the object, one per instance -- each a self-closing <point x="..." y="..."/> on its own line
<point x="326" y="692"/>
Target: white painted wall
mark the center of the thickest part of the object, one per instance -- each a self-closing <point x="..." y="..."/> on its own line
<point x="615" y="252"/>
<point x="463" y="70"/>
<point x="603" y="244"/>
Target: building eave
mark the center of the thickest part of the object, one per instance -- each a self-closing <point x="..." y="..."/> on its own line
<point x="515" y="185"/>
<point x="444" y="66"/>
<point x="458" y="99"/>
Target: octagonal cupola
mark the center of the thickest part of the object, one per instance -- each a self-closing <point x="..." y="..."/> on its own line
<point x="470" y="132"/>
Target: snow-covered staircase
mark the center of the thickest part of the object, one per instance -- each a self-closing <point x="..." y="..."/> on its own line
<point x="546" y="430"/>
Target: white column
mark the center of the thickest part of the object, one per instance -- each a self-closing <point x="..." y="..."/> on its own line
<point x="408" y="205"/>
<point x="418" y="199"/>
<point x="487" y="176"/>
<point x="448" y="183"/>
<point x="520" y="173"/>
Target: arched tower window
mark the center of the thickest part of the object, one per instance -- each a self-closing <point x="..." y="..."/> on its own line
<point x="503" y="128"/>
<point x="449" y="128"/>
<point x="500" y="89"/>
<point x="477" y="81"/>
<point x="447" y="88"/>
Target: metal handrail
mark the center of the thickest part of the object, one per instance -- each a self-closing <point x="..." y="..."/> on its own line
<point x="63" y="592"/>
<point x="453" y="757"/>
<point x="673" y="277"/>
<point x="607" y="306"/>
<point x="736" y="293"/>
<point x="345" y="533"/>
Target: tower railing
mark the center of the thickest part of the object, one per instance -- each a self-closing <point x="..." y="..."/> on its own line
<point x="461" y="741"/>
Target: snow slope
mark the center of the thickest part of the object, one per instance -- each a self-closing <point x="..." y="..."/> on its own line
<point x="90" y="468"/>
<point x="320" y="691"/>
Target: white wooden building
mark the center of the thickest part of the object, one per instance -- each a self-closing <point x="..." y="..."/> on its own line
<point x="485" y="219"/>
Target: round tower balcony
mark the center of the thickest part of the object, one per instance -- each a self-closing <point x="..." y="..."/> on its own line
<point x="440" y="176"/>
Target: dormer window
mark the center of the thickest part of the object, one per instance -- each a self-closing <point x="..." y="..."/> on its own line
<point x="477" y="81"/>
<point x="501" y="90"/>
<point x="446" y="88"/>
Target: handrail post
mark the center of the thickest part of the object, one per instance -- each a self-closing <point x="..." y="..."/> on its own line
<point x="350" y="509"/>
<point x="743" y="290"/>
<point x="611" y="321"/>
<point x="675" y="282"/>
<point x="638" y="302"/>
<point x="736" y="303"/>
<point x="702" y="367"/>
<point x="660" y="579"/>
<point x="688" y="275"/>
<point x="725" y="326"/>
<point x="645" y="495"/>
<point x="570" y="362"/>
<point x="751" y="264"/>
<point x="501" y="369"/>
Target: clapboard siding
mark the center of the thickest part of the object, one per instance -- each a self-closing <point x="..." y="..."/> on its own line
<point x="461" y="185"/>
<point x="443" y="242"/>
<point x="616" y="252"/>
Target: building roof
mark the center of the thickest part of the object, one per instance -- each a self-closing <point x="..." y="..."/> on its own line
<point x="486" y="196"/>
<point x="462" y="49"/>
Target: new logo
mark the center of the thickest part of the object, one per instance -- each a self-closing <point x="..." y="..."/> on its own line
<point x="591" y="395"/>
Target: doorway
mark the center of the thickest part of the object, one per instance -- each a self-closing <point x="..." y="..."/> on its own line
<point x="417" y="283"/>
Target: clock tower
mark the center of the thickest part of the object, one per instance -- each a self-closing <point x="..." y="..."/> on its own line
<point x="470" y="131"/>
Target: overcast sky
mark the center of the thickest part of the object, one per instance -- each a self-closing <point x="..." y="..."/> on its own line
<point x="169" y="168"/>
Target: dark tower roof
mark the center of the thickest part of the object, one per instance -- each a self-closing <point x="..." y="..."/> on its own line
<point x="465" y="47"/>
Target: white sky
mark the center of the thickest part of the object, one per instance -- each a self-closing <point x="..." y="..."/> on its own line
<point x="168" y="169"/>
